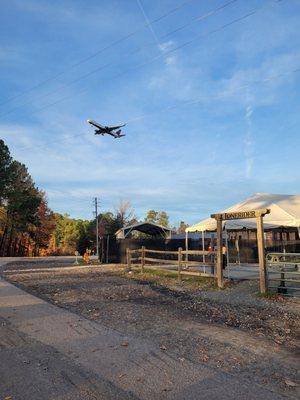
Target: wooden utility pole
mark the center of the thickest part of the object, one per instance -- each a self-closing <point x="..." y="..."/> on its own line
<point x="263" y="282"/>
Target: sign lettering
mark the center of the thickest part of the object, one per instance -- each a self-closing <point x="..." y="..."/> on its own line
<point x="241" y="214"/>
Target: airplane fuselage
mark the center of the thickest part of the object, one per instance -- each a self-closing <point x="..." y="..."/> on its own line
<point x="108" y="130"/>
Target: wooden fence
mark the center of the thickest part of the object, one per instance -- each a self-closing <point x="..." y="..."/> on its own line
<point x="174" y="261"/>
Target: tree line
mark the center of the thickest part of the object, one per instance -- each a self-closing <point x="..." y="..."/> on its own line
<point x="26" y="220"/>
<point x="28" y="227"/>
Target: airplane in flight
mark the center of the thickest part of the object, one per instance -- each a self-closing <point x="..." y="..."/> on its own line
<point x="106" y="130"/>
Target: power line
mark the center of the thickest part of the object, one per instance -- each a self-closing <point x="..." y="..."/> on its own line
<point x="53" y="141"/>
<point x="93" y="55"/>
<point x="199" y="100"/>
<point x="127" y="54"/>
<point x="148" y="21"/>
<point x="155" y="58"/>
<point x="201" y="17"/>
<point x="187" y="103"/>
<point x="77" y="200"/>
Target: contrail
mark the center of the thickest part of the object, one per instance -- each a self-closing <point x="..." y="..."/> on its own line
<point x="248" y="139"/>
<point x="148" y="22"/>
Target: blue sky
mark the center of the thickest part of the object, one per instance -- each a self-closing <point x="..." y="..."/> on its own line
<point x="208" y="124"/>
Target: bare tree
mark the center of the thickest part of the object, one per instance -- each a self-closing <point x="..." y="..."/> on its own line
<point x="125" y="213"/>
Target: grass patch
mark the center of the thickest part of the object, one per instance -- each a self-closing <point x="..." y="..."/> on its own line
<point x="270" y="295"/>
<point x="158" y="272"/>
<point x="169" y="278"/>
<point x="83" y="263"/>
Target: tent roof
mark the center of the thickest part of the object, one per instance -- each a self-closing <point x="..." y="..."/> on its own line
<point x="285" y="212"/>
<point x="149" y="228"/>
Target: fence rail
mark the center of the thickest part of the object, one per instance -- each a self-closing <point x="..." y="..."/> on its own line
<point x="160" y="251"/>
<point x="172" y="264"/>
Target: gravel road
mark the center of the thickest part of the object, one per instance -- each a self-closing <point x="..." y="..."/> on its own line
<point x="235" y="334"/>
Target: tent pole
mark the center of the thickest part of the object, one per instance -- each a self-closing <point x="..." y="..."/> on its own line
<point x="203" y="245"/>
<point x="227" y="251"/>
<point x="107" y="248"/>
<point x="219" y="251"/>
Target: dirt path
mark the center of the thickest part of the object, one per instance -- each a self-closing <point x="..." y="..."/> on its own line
<point x="251" y="344"/>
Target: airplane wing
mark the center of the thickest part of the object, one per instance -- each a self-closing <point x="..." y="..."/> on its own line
<point x="94" y="123"/>
<point x="112" y="128"/>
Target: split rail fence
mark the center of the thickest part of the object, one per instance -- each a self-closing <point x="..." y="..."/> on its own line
<point x="173" y="261"/>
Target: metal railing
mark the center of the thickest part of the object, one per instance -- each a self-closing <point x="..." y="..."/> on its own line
<point x="283" y="272"/>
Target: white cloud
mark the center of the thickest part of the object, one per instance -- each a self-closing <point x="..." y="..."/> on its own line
<point x="166" y="46"/>
<point x="262" y="82"/>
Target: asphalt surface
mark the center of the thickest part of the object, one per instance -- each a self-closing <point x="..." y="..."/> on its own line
<point x="50" y="353"/>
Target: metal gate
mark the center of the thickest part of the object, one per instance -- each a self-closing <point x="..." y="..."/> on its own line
<point x="283" y="273"/>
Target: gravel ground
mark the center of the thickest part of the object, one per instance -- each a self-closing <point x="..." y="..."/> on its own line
<point x="231" y="329"/>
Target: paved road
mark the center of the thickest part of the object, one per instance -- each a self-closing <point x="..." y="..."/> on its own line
<point x="5" y="260"/>
<point x="49" y="353"/>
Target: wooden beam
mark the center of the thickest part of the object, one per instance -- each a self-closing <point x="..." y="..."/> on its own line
<point x="128" y="259"/>
<point x="179" y="263"/>
<point x="161" y="251"/>
<point x="186" y="246"/>
<point x="242" y="214"/>
<point x="198" y="252"/>
<point x="161" y="260"/>
<point x="143" y="259"/>
<point x="263" y="283"/>
<point x="219" y="253"/>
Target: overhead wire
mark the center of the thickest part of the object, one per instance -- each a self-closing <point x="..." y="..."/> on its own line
<point x="155" y="58"/>
<point x="147" y="21"/>
<point x="219" y="96"/>
<point x="93" y="55"/>
<point x="183" y="104"/>
<point x="127" y="54"/>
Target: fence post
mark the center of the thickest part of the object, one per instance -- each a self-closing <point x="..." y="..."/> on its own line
<point x="143" y="258"/>
<point x="179" y="262"/>
<point x="128" y="254"/>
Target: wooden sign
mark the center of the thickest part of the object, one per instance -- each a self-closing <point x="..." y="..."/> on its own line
<point x="258" y="214"/>
<point x="241" y="214"/>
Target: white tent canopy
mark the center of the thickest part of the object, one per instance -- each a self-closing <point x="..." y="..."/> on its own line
<point x="285" y="212"/>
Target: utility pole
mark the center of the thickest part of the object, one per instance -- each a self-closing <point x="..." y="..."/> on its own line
<point x="97" y="227"/>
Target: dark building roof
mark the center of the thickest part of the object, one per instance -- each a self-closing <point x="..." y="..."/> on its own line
<point x="149" y="228"/>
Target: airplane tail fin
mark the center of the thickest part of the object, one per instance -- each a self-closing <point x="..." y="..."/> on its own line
<point x="118" y="134"/>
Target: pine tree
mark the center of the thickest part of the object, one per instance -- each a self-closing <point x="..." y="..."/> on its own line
<point x="5" y="162"/>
